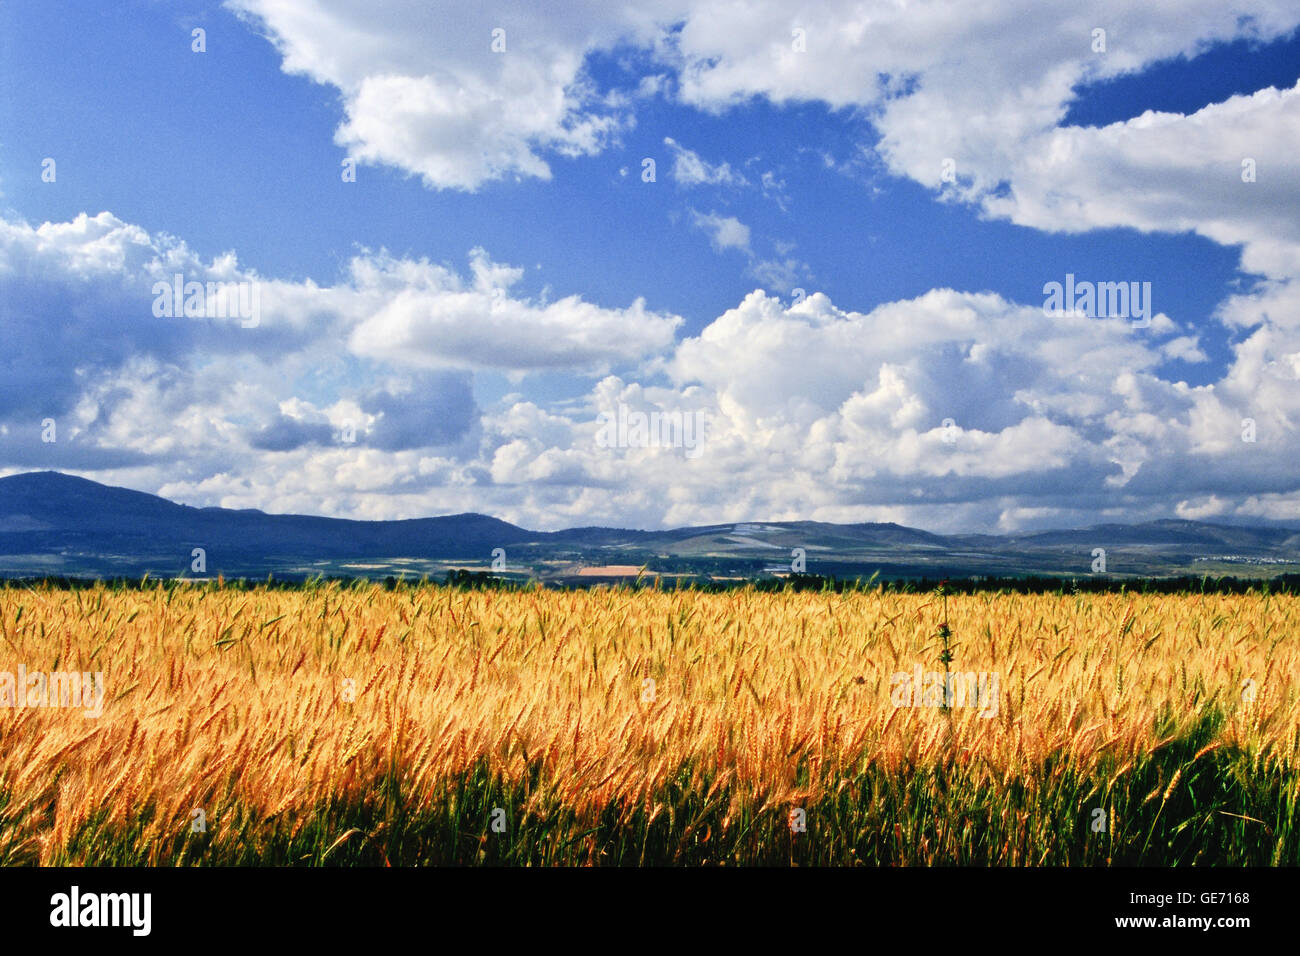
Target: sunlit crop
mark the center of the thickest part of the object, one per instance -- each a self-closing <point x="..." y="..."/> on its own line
<point x="429" y="725"/>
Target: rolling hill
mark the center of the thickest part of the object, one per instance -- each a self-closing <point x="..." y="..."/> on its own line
<point x="56" y="524"/>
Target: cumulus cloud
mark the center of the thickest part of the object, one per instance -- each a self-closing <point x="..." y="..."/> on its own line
<point x="691" y="169"/>
<point x="168" y="395"/>
<point x="460" y="94"/>
<point x="437" y="319"/>
<point x="951" y="409"/>
<point x="945" y="82"/>
<point x="435" y="409"/>
<point x="724" y="232"/>
<point x="1230" y="171"/>
<point x="782" y="275"/>
<point x="287" y="434"/>
<point x="92" y="280"/>
<point x="945" y="410"/>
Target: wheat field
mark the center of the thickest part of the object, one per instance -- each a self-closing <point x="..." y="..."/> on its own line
<point x="355" y="725"/>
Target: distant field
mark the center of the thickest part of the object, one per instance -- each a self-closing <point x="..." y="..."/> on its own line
<point x="432" y="725"/>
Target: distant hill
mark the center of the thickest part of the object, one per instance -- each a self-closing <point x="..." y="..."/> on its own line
<point x="51" y="514"/>
<point x="56" y="524"/>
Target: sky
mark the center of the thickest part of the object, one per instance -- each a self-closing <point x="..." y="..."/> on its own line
<point x="816" y="242"/>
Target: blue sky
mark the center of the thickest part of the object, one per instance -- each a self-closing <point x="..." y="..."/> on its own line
<point x="776" y="171"/>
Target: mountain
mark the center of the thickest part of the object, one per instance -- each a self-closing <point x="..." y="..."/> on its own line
<point x="61" y="520"/>
<point x="1175" y="532"/>
<point x="56" y="524"/>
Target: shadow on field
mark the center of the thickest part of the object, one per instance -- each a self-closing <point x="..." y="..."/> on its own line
<point x="1188" y="803"/>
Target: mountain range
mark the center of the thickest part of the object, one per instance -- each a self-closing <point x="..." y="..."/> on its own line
<point x="53" y="524"/>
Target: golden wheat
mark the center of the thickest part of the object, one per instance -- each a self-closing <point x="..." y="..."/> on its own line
<point x="276" y="702"/>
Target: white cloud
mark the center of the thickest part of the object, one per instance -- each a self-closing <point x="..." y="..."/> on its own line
<point x="828" y="413"/>
<point x="782" y="275"/>
<point x="690" y="169"/>
<point x="1201" y="509"/>
<point x="424" y="91"/>
<point x="1173" y="173"/>
<point x="1185" y="347"/>
<point x="725" y="232"/>
<point x="435" y="319"/>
